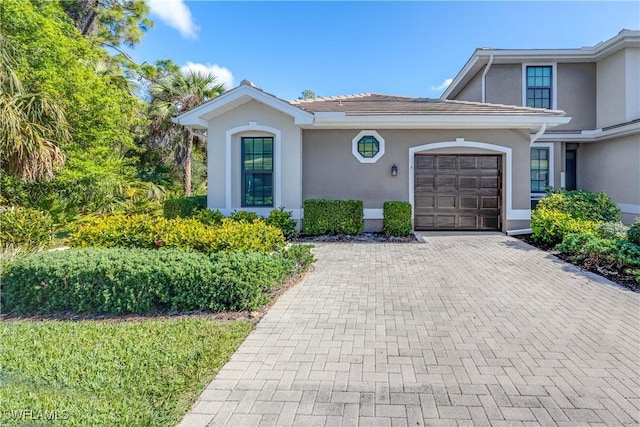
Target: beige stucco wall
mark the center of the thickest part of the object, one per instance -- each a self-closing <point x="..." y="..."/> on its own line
<point x="612" y="166"/>
<point x="504" y="84"/>
<point x="577" y="95"/>
<point x="290" y="161"/>
<point x="331" y="171"/>
<point x="611" y="88"/>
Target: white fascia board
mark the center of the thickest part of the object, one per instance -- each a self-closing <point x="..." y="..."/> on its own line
<point x="194" y="122"/>
<point x="471" y="63"/>
<point x="593" y="135"/>
<point x="299" y="116"/>
<point x="439" y="121"/>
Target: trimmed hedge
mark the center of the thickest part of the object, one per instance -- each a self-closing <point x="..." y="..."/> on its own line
<point x="25" y="228"/>
<point x="333" y="216"/>
<point x="183" y="207"/>
<point x="396" y="218"/>
<point x="116" y="280"/>
<point x="142" y="231"/>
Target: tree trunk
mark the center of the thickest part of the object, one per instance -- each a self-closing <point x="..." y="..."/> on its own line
<point x="188" y="147"/>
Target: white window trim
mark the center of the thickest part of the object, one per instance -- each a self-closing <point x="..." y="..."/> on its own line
<point x="511" y="214"/>
<point x="554" y="83"/>
<point x="354" y="146"/>
<point x="277" y="156"/>
<point x="551" y="147"/>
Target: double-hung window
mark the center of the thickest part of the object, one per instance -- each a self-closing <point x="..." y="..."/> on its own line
<point x="257" y="171"/>
<point x="539" y="82"/>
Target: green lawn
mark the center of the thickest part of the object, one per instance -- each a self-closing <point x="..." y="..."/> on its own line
<point x="91" y="373"/>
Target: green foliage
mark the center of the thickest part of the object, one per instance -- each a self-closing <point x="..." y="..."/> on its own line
<point x="25" y="227"/>
<point x="612" y="230"/>
<point x="633" y="234"/>
<point x="582" y="205"/>
<point x="550" y="226"/>
<point x="143" y="231"/>
<point x="397" y="218"/>
<point x="244" y="216"/>
<point x="116" y="280"/>
<point x="209" y="217"/>
<point x="333" y="216"/>
<point x="184" y="207"/>
<point x="104" y="374"/>
<point x="611" y="254"/>
<point x="281" y="218"/>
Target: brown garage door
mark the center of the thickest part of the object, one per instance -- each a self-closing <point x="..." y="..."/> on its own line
<point x="457" y="192"/>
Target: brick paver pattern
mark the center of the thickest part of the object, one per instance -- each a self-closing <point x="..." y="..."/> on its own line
<point x="462" y="329"/>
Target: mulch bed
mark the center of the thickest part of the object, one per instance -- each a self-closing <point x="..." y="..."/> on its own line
<point x="358" y="238"/>
<point x="617" y="277"/>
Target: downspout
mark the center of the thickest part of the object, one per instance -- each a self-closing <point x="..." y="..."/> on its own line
<point x="538" y="134"/>
<point x="484" y="75"/>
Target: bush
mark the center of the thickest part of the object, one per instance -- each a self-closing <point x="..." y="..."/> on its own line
<point x="612" y="230"/>
<point x="183" y="207"/>
<point x="280" y="218"/>
<point x="26" y="228"/>
<point x="333" y="216"/>
<point x="244" y="216"/>
<point x="302" y="256"/>
<point x="549" y="226"/>
<point x="633" y="234"/>
<point x="116" y="281"/>
<point x="593" y="251"/>
<point x="247" y="236"/>
<point x="582" y="205"/>
<point x="209" y="217"/>
<point x="141" y="231"/>
<point x="396" y="218"/>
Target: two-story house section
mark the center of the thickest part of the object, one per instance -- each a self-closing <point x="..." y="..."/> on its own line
<point x="597" y="86"/>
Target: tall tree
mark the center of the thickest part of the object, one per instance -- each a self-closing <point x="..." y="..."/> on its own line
<point x="31" y="124"/>
<point x="174" y="94"/>
<point x="307" y="94"/>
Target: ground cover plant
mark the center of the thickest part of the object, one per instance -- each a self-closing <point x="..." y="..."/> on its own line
<point x="101" y="373"/>
<point x="585" y="229"/>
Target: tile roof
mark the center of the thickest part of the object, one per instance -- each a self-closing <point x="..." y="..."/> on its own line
<point x="377" y="104"/>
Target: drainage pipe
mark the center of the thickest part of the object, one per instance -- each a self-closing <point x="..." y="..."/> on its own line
<point x="484" y="75"/>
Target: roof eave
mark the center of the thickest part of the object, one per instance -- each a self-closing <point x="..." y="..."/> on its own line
<point x="437" y="121"/>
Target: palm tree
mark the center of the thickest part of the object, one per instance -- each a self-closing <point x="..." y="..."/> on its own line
<point x="30" y="125"/>
<point x="174" y="94"/>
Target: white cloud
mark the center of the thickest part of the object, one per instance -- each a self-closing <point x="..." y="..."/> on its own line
<point x="223" y="75"/>
<point x="175" y="14"/>
<point x="445" y="84"/>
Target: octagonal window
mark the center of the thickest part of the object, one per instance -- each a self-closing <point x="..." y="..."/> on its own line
<point x="368" y="146"/>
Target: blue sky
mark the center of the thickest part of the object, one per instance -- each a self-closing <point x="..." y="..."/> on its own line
<point x="335" y="48"/>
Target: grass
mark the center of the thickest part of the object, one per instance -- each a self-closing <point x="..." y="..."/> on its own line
<point x="134" y="373"/>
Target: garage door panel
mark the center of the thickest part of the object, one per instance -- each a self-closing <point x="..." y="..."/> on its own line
<point x="457" y="192"/>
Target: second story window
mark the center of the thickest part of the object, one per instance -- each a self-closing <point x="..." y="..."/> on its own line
<point x="539" y="82"/>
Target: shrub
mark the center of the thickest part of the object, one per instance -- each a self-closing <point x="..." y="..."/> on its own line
<point x="116" y="280"/>
<point x="280" y="218"/>
<point x="612" y="230"/>
<point x="550" y="226"/>
<point x="25" y="227"/>
<point x="633" y="234"/>
<point x="244" y="216"/>
<point x="209" y="217"/>
<point x="594" y="251"/>
<point x="302" y="256"/>
<point x="333" y="216"/>
<point x="141" y="231"/>
<point x="582" y="205"/>
<point x="397" y="218"/>
<point x="247" y="236"/>
<point x="183" y="207"/>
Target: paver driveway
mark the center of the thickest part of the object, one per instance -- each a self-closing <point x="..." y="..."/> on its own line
<point x="476" y="329"/>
